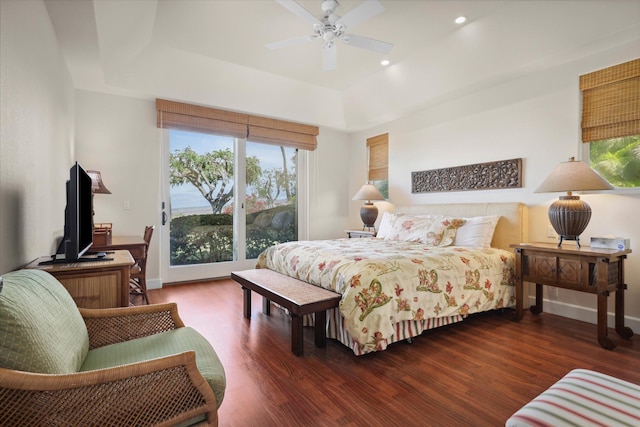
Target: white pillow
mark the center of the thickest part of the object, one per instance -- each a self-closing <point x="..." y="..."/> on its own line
<point x="385" y="224"/>
<point x="432" y="231"/>
<point x="477" y="231"/>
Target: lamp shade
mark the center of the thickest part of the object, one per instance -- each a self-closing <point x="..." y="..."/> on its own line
<point x="569" y="215"/>
<point x="573" y="176"/>
<point x="97" y="186"/>
<point x="368" y="192"/>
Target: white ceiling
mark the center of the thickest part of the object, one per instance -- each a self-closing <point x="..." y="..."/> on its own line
<point x="196" y="50"/>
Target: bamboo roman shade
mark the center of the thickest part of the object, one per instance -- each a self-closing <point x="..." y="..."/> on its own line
<point x="611" y="102"/>
<point x="178" y="115"/>
<point x="378" y="157"/>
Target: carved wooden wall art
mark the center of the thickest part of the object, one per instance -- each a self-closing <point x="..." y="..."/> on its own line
<point x="479" y="176"/>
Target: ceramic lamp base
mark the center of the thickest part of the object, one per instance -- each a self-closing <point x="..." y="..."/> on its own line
<point x="569" y="216"/>
<point x="369" y="214"/>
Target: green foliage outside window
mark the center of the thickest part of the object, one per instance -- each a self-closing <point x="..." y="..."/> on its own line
<point x="202" y="239"/>
<point x="617" y="160"/>
<point x="383" y="187"/>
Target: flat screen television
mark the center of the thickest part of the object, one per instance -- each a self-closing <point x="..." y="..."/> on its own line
<point x="78" y="217"/>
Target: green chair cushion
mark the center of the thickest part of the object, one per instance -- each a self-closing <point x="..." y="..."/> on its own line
<point x="160" y="345"/>
<point x="41" y="329"/>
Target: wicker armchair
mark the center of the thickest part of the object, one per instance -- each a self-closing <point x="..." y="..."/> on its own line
<point x="122" y="367"/>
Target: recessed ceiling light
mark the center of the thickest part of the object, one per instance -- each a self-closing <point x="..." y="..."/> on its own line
<point x="461" y="20"/>
<point x="385" y="62"/>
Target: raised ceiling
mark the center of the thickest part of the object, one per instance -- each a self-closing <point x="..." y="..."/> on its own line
<point x="213" y="52"/>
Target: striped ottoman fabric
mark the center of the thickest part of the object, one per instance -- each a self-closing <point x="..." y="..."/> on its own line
<point x="582" y="398"/>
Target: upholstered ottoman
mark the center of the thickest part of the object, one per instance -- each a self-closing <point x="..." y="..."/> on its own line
<point x="582" y="398"/>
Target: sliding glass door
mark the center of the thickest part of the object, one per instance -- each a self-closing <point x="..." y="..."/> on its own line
<point x="226" y="200"/>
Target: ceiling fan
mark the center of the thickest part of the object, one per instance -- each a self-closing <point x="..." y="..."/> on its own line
<point x="333" y="27"/>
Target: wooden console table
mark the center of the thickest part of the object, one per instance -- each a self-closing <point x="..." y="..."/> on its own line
<point x="585" y="269"/>
<point x="96" y="284"/>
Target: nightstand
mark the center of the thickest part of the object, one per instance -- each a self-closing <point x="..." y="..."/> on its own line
<point x="593" y="270"/>
<point x="355" y="234"/>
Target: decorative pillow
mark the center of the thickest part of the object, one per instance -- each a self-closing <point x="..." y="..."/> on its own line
<point x="41" y="329"/>
<point x="386" y="224"/>
<point x="432" y="231"/>
<point x="477" y="231"/>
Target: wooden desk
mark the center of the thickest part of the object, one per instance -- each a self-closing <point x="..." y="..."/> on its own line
<point x="585" y="269"/>
<point x="99" y="284"/>
<point x="134" y="244"/>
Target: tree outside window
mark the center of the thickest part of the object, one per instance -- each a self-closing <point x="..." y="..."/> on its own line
<point x="617" y="160"/>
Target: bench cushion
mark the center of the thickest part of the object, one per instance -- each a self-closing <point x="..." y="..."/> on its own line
<point x="160" y="345"/>
<point x="582" y="398"/>
<point x="41" y="329"/>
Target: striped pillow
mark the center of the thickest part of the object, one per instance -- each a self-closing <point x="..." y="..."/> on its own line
<point x="582" y="398"/>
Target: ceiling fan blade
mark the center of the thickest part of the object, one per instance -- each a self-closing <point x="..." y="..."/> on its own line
<point x="296" y="9"/>
<point x="367" y="43"/>
<point x="329" y="57"/>
<point x="289" y="42"/>
<point x="363" y="12"/>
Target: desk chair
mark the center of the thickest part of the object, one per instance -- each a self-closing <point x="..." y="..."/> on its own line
<point x="138" y="274"/>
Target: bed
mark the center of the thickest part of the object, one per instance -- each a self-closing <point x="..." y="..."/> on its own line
<point x="430" y="266"/>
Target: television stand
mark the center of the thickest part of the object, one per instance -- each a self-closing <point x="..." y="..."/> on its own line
<point x="93" y="282"/>
<point x="82" y="259"/>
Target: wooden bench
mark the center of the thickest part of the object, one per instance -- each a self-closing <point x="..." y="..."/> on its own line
<point x="298" y="297"/>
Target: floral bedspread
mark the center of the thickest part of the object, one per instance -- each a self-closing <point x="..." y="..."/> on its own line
<point x="383" y="282"/>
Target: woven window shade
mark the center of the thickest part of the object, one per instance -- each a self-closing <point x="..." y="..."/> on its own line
<point x="280" y="132"/>
<point x="201" y="124"/>
<point x="178" y="115"/>
<point x="378" y="157"/>
<point x="611" y="102"/>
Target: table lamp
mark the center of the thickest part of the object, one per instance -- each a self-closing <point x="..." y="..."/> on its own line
<point x="368" y="212"/>
<point x="569" y="215"/>
<point x="97" y="186"/>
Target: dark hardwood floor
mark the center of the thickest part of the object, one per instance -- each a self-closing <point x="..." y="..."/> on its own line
<point x="474" y="373"/>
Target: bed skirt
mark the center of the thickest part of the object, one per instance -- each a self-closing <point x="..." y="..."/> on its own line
<point x="403" y="330"/>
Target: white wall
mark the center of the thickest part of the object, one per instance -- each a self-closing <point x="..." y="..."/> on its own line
<point x="36" y="136"/>
<point x="536" y="118"/>
<point x="117" y="135"/>
<point x="329" y="169"/>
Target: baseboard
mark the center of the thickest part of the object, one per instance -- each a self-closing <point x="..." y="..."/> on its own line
<point x="581" y="313"/>
<point x="154" y="284"/>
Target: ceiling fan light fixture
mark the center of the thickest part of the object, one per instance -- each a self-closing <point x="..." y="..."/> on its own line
<point x="333" y="27"/>
<point x="329" y="36"/>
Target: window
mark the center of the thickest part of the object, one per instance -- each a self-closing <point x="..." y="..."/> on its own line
<point x="205" y="191"/>
<point x="231" y="183"/>
<point x="378" y="174"/>
<point x="611" y="122"/>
